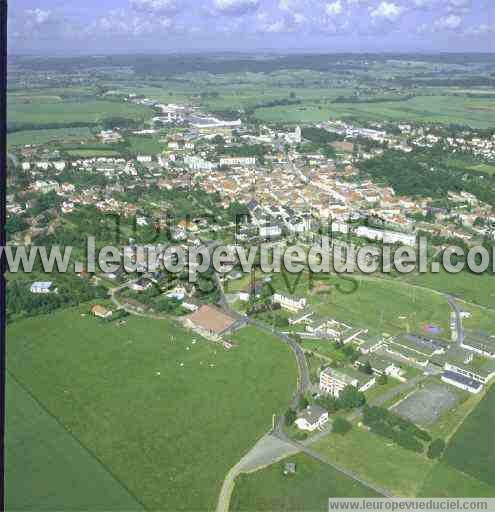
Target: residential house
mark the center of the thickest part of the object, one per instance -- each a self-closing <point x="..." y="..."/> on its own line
<point x="312" y="418"/>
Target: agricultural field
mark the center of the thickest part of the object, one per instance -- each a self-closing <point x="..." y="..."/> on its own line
<point x="475" y="112"/>
<point x="141" y="145"/>
<point x="42" y="456"/>
<point x="89" y="111"/>
<point x="165" y="412"/>
<point x="472" y="450"/>
<point x="55" y="135"/>
<point x="309" y="489"/>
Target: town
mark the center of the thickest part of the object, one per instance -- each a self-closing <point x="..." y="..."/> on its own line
<point x="294" y="375"/>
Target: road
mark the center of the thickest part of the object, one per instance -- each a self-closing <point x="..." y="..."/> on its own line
<point x="458" y="319"/>
<point x="304" y="381"/>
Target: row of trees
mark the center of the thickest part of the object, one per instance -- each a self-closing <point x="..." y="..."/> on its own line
<point x="403" y="432"/>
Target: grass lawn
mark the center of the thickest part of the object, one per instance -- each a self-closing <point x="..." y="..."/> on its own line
<point x="309" y="489"/>
<point x="47" y="468"/>
<point x="377" y="460"/>
<point x="166" y="416"/>
<point x="472" y="449"/>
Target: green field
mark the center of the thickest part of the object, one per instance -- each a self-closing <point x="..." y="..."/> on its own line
<point x="45" y="136"/>
<point x="377" y="460"/>
<point x="47" y="468"/>
<point x="476" y="112"/>
<point x="476" y="288"/>
<point x="67" y="112"/>
<point x="472" y="450"/>
<point x="89" y="153"/>
<point x="446" y="482"/>
<point x="166" y="416"/>
<point x="382" y="306"/>
<point x="144" y="145"/>
<point x="309" y="489"/>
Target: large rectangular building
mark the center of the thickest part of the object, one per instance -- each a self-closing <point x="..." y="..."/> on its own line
<point x="333" y="381"/>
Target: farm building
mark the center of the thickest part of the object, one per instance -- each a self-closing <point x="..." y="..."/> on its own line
<point x="101" y="311"/>
<point x="210" y="322"/>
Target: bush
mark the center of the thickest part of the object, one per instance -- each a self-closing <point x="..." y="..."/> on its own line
<point x="290" y="417"/>
<point x="341" y="426"/>
<point x="436" y="449"/>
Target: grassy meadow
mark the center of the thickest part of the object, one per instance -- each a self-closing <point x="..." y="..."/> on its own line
<point x="309" y="489"/>
<point x="165" y="412"/>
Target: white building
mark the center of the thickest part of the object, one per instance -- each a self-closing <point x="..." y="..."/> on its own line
<point x="388" y="237"/>
<point x="312" y="418"/>
<point x="333" y="382"/>
<point x="269" y="230"/>
<point x="293" y="304"/>
<point x="59" y="166"/>
<point x="46" y="186"/>
<point x="197" y="163"/>
<point x="247" y="160"/>
<point x="41" y="287"/>
<point x="144" y="159"/>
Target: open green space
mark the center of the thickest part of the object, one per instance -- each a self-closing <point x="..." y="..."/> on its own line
<point x="89" y="153"/>
<point x="377" y="460"/>
<point x="48" y="135"/>
<point x="380" y="305"/>
<point x="67" y="112"/>
<point x="476" y="288"/>
<point x="472" y="450"/>
<point x="446" y="482"/>
<point x="144" y="145"/>
<point x="309" y="489"/>
<point x="166" y="412"/>
<point x="475" y="112"/>
<point x="47" y="468"/>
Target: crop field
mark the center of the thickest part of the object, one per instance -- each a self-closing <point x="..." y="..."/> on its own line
<point x="309" y="489"/>
<point x="472" y="450"/>
<point x="165" y="412"/>
<point x="73" y="111"/>
<point x="382" y="306"/>
<point x="476" y="112"/>
<point x="48" y="135"/>
<point x="43" y="457"/>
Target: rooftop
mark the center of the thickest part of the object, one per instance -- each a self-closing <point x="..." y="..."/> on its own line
<point x="212" y="319"/>
<point x="312" y="413"/>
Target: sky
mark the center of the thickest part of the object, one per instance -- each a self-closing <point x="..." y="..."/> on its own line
<point x="58" y="27"/>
